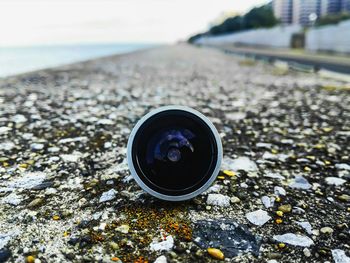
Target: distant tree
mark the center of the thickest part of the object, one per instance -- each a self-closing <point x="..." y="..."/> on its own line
<point x="332" y="19"/>
<point x="192" y="39"/>
<point x="258" y="17"/>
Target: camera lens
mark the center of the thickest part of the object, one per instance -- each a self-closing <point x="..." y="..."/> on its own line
<point x="174" y="153"/>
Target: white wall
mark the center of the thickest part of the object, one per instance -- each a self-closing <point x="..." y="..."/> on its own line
<point x="329" y="38"/>
<point x="274" y="37"/>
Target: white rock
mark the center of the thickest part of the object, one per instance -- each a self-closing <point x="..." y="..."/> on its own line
<point x="278" y="190"/>
<point x="53" y="149"/>
<point x="4" y="129"/>
<point x="300" y="182"/>
<point x="102" y="226"/>
<point x="107" y="145"/>
<point x="166" y="244"/>
<point x="287" y="141"/>
<point x="12" y="199"/>
<point x="235" y="116"/>
<point x="294" y="240"/>
<point x="298" y="210"/>
<point x="71" y="158"/>
<point x="243" y="185"/>
<point x="120" y="167"/>
<point x="215" y="188"/>
<point x="339" y="256"/>
<point x="105" y="122"/>
<point x="123" y="229"/>
<point x="6" y="237"/>
<point x="127" y="179"/>
<point x="274" y="175"/>
<point x="307" y="252"/>
<point x="19" y="118"/>
<point x="37" y="146"/>
<point x="107" y="196"/>
<point x="161" y="259"/>
<point x="335" y="181"/>
<point x="27" y="181"/>
<point x="50" y="191"/>
<point x="342" y="166"/>
<point x="7" y="146"/>
<point x="258" y="217"/>
<point x="54" y="159"/>
<point x="218" y="200"/>
<point x="264" y="145"/>
<point x="306" y="225"/>
<point x="27" y="136"/>
<point x="241" y="163"/>
<point x="267" y="201"/>
<point x="76" y="139"/>
<point x="273" y="157"/>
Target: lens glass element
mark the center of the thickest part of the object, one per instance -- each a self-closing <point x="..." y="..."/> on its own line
<point x="174" y="152"/>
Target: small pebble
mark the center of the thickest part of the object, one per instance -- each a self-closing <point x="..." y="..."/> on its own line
<point x="258" y="217"/>
<point x="293" y="239"/>
<point x="123" y="229"/>
<point x="218" y="200"/>
<point x="335" y="181"/>
<point x="235" y="200"/>
<point x="35" y="202"/>
<point x="30" y="259"/>
<point x="229" y="173"/>
<point x="281" y="245"/>
<point x="216" y="253"/>
<point x="267" y="201"/>
<point x="279" y="213"/>
<point x="285" y="208"/>
<point x="161" y="259"/>
<point x="278" y="221"/>
<point x="326" y="230"/>
<point x="344" y="197"/>
<point x="279" y="191"/>
<point x="37" y="146"/>
<point x="307" y="252"/>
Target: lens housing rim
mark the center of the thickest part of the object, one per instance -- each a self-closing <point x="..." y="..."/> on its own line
<point x="198" y="191"/>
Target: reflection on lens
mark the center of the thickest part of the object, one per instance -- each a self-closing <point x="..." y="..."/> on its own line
<point x="174" y="154"/>
<point x="168" y="145"/>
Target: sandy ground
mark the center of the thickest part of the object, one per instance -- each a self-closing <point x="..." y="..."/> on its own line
<point x="66" y="193"/>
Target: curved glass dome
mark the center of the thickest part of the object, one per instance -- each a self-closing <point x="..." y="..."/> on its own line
<point x="174" y="152"/>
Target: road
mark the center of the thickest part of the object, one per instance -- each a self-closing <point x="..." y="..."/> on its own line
<point x="334" y="63"/>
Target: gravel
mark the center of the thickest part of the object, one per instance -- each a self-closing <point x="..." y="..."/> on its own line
<point x="64" y="131"/>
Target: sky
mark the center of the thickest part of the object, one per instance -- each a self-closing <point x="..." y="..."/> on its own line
<point x="33" y="22"/>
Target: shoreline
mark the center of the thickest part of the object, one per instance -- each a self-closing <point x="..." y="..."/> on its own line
<point x="62" y="64"/>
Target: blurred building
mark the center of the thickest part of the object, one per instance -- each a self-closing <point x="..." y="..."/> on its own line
<point x="283" y="10"/>
<point x="345" y="6"/>
<point x="304" y="12"/>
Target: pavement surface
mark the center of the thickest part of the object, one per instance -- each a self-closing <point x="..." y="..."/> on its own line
<point x="66" y="194"/>
<point x="316" y="61"/>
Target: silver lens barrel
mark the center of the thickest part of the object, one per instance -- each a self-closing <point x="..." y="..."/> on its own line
<point x="174" y="153"/>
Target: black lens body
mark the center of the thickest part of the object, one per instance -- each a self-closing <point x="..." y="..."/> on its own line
<point x="174" y="153"/>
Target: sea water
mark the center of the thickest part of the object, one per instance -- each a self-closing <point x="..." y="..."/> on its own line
<point x="16" y="60"/>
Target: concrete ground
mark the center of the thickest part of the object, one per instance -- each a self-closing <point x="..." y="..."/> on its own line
<point x="66" y="193"/>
